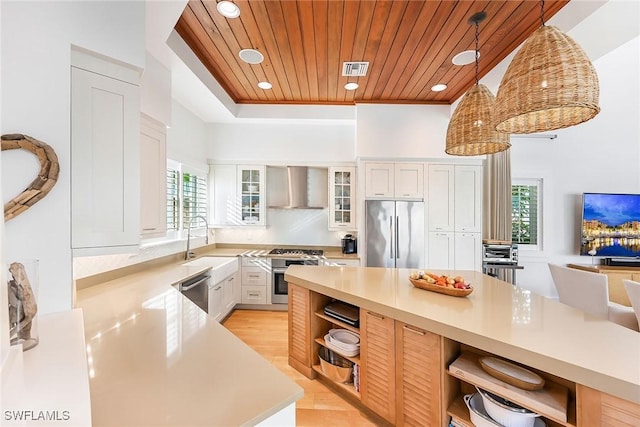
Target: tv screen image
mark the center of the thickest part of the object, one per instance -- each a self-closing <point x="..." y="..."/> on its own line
<point x="611" y="224"/>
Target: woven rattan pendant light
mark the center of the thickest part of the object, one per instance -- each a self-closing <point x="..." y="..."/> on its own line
<point x="550" y="84"/>
<point x="471" y="131"/>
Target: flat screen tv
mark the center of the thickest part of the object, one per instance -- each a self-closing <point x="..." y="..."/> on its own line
<point x="610" y="225"/>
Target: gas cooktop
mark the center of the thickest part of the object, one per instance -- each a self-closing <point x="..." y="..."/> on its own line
<point x="296" y="252"/>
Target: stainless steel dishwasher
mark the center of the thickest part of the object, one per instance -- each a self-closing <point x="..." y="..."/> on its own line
<point x="197" y="290"/>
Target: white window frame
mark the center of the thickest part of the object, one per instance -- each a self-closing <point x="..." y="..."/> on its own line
<point x="181" y="232"/>
<point x="539" y="183"/>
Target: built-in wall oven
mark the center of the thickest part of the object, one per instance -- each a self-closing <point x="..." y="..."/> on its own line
<point x="280" y="288"/>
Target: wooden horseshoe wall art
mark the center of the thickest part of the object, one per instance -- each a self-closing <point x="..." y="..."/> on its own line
<point x="44" y="182"/>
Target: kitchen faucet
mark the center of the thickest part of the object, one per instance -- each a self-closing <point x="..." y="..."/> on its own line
<point x="189" y="254"/>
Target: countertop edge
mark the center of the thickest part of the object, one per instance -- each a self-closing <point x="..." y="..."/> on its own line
<point x="561" y="368"/>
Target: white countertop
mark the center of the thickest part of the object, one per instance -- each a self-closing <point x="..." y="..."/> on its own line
<point x="156" y="359"/>
<point x="497" y="317"/>
<point x="48" y="384"/>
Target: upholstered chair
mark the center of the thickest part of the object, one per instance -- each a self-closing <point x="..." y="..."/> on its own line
<point x="589" y="292"/>
<point x="633" y="291"/>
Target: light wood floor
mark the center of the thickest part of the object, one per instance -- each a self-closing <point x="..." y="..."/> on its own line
<point x="266" y="333"/>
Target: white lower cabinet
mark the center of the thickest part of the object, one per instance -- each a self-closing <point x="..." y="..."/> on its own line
<point x="228" y="293"/>
<point x="441" y="251"/>
<point x="254" y="295"/>
<point x="255" y="280"/>
<point x="455" y="251"/>
<point x="468" y="251"/>
<point x="215" y="301"/>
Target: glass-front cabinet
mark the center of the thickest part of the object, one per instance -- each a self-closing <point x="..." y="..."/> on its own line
<point x="251" y="185"/>
<point x="342" y="196"/>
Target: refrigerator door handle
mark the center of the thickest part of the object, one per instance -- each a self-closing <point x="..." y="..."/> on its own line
<point x="391" y="238"/>
<point x="397" y="238"/>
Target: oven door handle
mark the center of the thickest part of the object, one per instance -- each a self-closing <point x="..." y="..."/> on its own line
<point x="193" y="285"/>
<point x="279" y="270"/>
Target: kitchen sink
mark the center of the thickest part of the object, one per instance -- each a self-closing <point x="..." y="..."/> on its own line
<point x="221" y="267"/>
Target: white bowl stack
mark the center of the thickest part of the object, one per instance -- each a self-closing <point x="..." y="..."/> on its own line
<point x="502" y="412"/>
<point x="343" y="342"/>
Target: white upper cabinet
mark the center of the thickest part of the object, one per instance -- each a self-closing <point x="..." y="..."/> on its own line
<point x="223" y="195"/>
<point x="237" y="195"/>
<point x="409" y="180"/>
<point x="105" y="148"/>
<point x="441" y="197"/>
<point x="342" y="198"/>
<point x="394" y="180"/>
<point x="468" y="198"/>
<point x="379" y="180"/>
<point x="251" y="189"/>
<point x="153" y="183"/>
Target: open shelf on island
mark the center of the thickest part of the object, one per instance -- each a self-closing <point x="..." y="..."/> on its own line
<point x="459" y="410"/>
<point x="337" y="322"/>
<point x="354" y="359"/>
<point x="347" y="387"/>
<point x="552" y="402"/>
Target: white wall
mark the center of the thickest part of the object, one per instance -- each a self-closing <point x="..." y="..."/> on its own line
<point x="187" y="138"/>
<point x="401" y="131"/>
<point x="155" y="90"/>
<point x="36" y="46"/>
<point x="281" y="143"/>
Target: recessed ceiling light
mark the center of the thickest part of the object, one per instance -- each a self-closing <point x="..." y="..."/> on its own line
<point x="351" y="86"/>
<point x="251" y="56"/>
<point x="228" y="9"/>
<point x="439" y="87"/>
<point x="265" y="85"/>
<point x="464" y="58"/>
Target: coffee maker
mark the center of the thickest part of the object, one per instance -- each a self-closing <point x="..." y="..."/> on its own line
<point x="349" y="245"/>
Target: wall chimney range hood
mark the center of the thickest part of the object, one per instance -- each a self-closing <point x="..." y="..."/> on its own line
<point x="298" y="188"/>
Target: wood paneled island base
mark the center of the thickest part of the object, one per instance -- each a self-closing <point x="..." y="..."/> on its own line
<point x="419" y="350"/>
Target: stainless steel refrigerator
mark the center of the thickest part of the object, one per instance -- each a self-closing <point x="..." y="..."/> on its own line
<point x="395" y="233"/>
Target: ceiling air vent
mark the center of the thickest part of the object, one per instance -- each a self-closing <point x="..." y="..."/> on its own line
<point x="354" y="69"/>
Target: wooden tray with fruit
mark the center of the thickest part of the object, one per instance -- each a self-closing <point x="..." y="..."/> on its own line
<point x="448" y="285"/>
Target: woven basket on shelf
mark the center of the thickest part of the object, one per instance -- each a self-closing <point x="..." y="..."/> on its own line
<point x="471" y="131"/>
<point x="550" y="84"/>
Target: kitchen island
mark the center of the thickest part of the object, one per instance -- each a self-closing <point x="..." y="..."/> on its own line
<point x="156" y="359"/>
<point x="596" y="362"/>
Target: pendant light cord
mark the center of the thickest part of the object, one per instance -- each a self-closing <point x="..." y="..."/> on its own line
<point x="477" y="52"/>
<point x="542" y="12"/>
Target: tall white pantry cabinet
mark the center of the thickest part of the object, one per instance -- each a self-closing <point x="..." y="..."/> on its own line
<point x="105" y="155"/>
<point x="454" y="217"/>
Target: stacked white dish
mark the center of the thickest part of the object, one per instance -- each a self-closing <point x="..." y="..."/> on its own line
<point x="499" y="411"/>
<point x="343" y="342"/>
<point x="480" y="418"/>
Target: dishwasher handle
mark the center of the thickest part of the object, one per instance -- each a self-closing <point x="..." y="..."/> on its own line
<point x="196" y="283"/>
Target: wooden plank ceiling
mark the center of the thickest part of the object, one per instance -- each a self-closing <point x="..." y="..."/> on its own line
<point x="409" y="45"/>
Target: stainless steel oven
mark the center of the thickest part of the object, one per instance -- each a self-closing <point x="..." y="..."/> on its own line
<point x="280" y="288"/>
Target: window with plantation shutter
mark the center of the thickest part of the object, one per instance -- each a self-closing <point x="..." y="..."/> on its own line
<point x="173" y="199"/>
<point x="526" y="211"/>
<point x="194" y="200"/>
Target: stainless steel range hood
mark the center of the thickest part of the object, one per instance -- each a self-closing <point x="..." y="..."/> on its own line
<point x="297" y="187"/>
